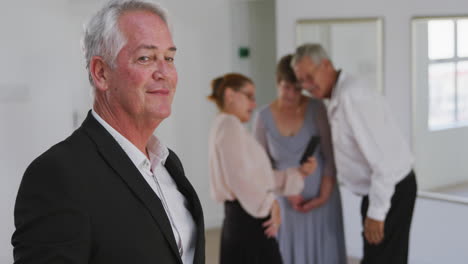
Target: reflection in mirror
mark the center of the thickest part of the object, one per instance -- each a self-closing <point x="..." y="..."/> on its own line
<point x="352" y="44"/>
<point x="440" y="105"/>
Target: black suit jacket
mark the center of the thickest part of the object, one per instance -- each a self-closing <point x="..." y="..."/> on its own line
<point x="83" y="201"/>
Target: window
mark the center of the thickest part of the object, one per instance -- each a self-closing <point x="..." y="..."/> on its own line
<point x="440" y="102"/>
<point x="447" y="72"/>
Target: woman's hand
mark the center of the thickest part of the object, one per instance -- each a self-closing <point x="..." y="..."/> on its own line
<point x="326" y="189"/>
<point x="295" y="201"/>
<point x="272" y="225"/>
<point x="310" y="205"/>
<point x="308" y="167"/>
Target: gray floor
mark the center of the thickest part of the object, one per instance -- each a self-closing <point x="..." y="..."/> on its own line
<point x="212" y="247"/>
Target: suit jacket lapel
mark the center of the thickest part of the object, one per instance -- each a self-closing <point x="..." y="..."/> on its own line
<point x="175" y="169"/>
<point x="123" y="166"/>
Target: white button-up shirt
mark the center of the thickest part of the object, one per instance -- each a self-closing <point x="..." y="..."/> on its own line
<point x="158" y="178"/>
<point x="371" y="154"/>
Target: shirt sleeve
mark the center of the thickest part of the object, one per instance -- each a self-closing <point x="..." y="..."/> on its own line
<point x="248" y="180"/>
<point x="326" y="147"/>
<point x="368" y="119"/>
<point x="287" y="182"/>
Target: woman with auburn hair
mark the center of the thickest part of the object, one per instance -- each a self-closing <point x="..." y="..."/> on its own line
<point x="312" y="225"/>
<point x="242" y="177"/>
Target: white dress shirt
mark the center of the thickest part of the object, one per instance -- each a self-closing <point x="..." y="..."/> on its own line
<point x="158" y="178"/>
<point x="371" y="154"/>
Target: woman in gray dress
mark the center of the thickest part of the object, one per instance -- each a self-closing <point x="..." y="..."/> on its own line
<point x="312" y="225"/>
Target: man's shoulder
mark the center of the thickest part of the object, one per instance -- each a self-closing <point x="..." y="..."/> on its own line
<point x="62" y="154"/>
<point x="357" y="90"/>
<point x="57" y="170"/>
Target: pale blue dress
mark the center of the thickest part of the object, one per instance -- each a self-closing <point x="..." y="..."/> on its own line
<point x="315" y="237"/>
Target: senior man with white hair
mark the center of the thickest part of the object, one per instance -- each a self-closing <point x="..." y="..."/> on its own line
<point x="372" y="158"/>
<point x="112" y="192"/>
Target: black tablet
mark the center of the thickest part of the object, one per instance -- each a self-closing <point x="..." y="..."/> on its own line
<point x="310" y="149"/>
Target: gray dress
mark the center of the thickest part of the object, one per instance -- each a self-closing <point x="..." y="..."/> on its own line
<point x="315" y="237"/>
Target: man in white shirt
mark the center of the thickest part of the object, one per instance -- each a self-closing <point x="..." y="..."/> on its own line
<point x="372" y="157"/>
<point x="112" y="192"/>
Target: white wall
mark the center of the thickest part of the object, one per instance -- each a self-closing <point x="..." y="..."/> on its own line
<point x="253" y="26"/>
<point x="438" y="231"/>
<point x="35" y="47"/>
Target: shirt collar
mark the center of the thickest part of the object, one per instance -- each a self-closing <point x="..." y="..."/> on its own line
<point x="157" y="152"/>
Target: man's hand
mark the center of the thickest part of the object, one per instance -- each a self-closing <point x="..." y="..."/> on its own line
<point x="373" y="231"/>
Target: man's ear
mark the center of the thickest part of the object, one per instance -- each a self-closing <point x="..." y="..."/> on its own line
<point x="326" y="63"/>
<point x="99" y="72"/>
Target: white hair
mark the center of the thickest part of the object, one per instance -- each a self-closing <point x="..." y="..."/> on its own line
<point x="102" y="36"/>
<point x="312" y="50"/>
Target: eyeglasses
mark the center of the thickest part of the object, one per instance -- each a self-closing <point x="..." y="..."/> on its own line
<point x="249" y="96"/>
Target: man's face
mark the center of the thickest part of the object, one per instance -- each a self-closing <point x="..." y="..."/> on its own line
<point x="143" y="83"/>
<point x="315" y="78"/>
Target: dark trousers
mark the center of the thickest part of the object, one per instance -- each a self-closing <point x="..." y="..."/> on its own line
<point x="394" y="247"/>
<point x="243" y="240"/>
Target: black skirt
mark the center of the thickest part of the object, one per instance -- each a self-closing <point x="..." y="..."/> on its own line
<point x="243" y="239"/>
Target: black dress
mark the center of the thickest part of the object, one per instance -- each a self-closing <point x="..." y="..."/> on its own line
<point x="243" y="239"/>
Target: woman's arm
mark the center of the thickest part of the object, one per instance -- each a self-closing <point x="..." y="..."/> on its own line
<point x="326" y="189"/>
<point x="329" y="169"/>
<point x="249" y="181"/>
